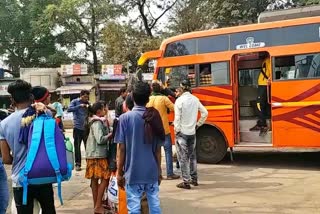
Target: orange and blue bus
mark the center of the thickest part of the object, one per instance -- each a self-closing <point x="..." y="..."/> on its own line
<point x="223" y="66"/>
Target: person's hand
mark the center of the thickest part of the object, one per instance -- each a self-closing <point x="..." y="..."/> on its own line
<point x="84" y="105"/>
<point x="40" y="107"/>
<point x="121" y="181"/>
<point x="109" y="136"/>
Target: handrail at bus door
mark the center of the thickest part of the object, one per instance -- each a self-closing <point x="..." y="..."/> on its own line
<point x="269" y="91"/>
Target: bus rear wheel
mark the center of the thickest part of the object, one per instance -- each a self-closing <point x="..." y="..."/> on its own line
<point x="211" y="145"/>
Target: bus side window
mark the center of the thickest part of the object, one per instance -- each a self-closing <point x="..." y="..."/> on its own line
<point x="175" y="75"/>
<point x="214" y="74"/>
<point x="305" y="66"/>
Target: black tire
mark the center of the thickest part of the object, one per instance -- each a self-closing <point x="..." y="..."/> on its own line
<point x="211" y="145"/>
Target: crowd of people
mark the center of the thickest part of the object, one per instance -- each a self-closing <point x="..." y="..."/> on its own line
<point x="128" y="147"/>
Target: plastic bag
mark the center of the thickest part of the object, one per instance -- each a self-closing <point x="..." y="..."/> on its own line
<point x="113" y="190"/>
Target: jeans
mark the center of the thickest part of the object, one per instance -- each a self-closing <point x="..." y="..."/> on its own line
<point x="4" y="190"/>
<point x="43" y="193"/>
<point x="134" y="194"/>
<point x="186" y="148"/>
<point x="168" y="153"/>
<point x="78" y="136"/>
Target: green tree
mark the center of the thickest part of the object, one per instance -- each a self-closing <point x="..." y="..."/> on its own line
<point x="192" y="15"/>
<point x="188" y="16"/>
<point x="123" y="43"/>
<point x="21" y="42"/>
<point x="80" y="22"/>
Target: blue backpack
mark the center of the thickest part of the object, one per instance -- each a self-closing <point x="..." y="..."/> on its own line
<point x="47" y="160"/>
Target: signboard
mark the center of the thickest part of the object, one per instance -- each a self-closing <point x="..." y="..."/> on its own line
<point x="74" y="69"/>
<point x="3" y="90"/>
<point x="112" y="77"/>
<point x="3" y="87"/>
<point x="147" y="76"/>
<point x="250" y="44"/>
<point x="111" y="69"/>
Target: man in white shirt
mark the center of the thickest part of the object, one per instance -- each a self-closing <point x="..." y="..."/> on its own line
<point x="185" y="124"/>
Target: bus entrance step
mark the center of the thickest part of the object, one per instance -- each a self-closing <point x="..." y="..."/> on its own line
<point x="247" y="124"/>
<point x="253" y="137"/>
<point x="248" y="144"/>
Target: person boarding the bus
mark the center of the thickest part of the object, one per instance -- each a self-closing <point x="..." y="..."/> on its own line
<point x="186" y="111"/>
<point x="163" y="104"/>
<point x="262" y="99"/>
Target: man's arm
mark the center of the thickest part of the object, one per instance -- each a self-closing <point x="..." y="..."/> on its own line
<point x="177" y="117"/>
<point x="121" y="154"/>
<point x="5" y="152"/>
<point x="169" y="104"/>
<point x="204" y="114"/>
<point x="73" y="106"/>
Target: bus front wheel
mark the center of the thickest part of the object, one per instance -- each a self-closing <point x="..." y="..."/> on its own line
<point x="211" y="145"/>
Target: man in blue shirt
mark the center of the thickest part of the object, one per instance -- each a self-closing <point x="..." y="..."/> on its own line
<point x="10" y="144"/>
<point x="79" y="108"/>
<point x="139" y="158"/>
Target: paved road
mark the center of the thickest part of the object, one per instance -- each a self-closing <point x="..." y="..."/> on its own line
<point x="257" y="182"/>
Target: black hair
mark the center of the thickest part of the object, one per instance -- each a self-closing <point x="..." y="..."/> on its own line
<point x="123" y="90"/>
<point x="99" y="105"/>
<point x="20" y="91"/>
<point x="141" y="92"/>
<point x="129" y="102"/>
<point x="156" y="88"/>
<point x="186" y="85"/>
<point x="84" y="92"/>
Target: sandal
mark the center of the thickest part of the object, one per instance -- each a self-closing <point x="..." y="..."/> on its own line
<point x="184" y="185"/>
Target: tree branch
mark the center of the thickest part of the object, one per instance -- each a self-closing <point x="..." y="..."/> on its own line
<point x="162" y="14"/>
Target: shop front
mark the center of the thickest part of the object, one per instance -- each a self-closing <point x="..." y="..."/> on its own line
<point x="109" y="92"/>
<point x="70" y="92"/>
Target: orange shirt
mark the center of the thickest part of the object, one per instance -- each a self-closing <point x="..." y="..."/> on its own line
<point x="162" y="104"/>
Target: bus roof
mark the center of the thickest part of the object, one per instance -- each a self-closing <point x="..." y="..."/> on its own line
<point x="242" y="28"/>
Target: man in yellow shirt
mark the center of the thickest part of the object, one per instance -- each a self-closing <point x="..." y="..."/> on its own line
<point x="262" y="99"/>
<point x="162" y="103"/>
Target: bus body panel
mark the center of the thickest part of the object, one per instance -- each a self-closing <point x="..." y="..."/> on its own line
<point x="296" y="113"/>
<point x="218" y="100"/>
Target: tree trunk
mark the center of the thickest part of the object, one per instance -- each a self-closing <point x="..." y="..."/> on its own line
<point x="93" y="39"/>
<point x="95" y="61"/>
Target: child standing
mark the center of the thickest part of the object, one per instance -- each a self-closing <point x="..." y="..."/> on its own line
<point x="96" y="153"/>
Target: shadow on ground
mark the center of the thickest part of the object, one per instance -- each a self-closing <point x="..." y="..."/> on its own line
<point x="306" y="160"/>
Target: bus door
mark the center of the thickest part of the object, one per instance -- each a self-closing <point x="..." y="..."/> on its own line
<point x="296" y="100"/>
<point x="248" y="131"/>
<point x="235" y="94"/>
